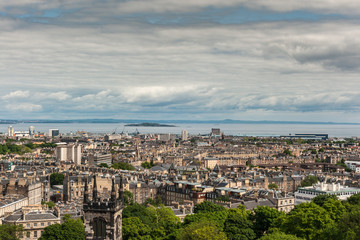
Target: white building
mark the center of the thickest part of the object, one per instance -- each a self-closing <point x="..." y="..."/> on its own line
<point x="353" y="164"/>
<point x="306" y="194"/>
<point x="69" y="153"/>
<point x="11" y="131"/>
<point x="184" y="135"/>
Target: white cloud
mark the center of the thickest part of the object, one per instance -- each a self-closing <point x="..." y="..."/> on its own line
<point x="16" y="94"/>
<point x="26" y="107"/>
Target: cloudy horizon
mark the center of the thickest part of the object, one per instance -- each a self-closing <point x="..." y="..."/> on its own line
<point x="190" y="60"/>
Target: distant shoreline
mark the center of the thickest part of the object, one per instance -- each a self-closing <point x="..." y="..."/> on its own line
<point x="148" y="125"/>
<point x="167" y="122"/>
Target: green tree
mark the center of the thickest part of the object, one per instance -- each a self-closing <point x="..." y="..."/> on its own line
<point x="354" y="199"/>
<point x="239" y="226"/>
<point x="273" y="186"/>
<point x="263" y="218"/>
<point x="287" y="152"/>
<point x="10" y="232"/>
<point x="309" y="181"/>
<point x="70" y="229"/>
<point x="128" y="197"/>
<point x="49" y="204"/>
<point x="123" y="166"/>
<point x="146" y="165"/>
<point x="306" y="220"/>
<point x="133" y="228"/>
<point x="348" y="226"/>
<point x="207" y="206"/>
<point x="321" y="199"/>
<point x="103" y="165"/>
<point x="203" y="230"/>
<point x="279" y="236"/>
<point x="217" y="217"/>
<point x="56" y="179"/>
<point x="146" y="215"/>
<point x="334" y="208"/>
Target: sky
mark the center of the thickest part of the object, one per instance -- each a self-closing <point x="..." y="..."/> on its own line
<point x="284" y="60"/>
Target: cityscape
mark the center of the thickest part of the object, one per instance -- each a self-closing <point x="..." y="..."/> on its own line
<point x="179" y="120"/>
<point x="109" y="186"/>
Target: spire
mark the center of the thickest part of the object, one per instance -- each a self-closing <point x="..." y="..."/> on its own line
<point x="95" y="196"/>
<point x="121" y="188"/>
<point x="86" y="191"/>
<point x="113" y="192"/>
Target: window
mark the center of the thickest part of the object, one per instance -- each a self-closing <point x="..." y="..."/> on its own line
<point x="99" y="227"/>
<point x="28" y="234"/>
<point x="35" y="224"/>
<point x="35" y="234"/>
<point x="28" y="225"/>
<point x="42" y="224"/>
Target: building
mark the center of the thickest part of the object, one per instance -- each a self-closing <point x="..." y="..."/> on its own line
<point x="353" y="164"/>
<point x="34" y="219"/>
<point x="98" y="158"/>
<point x="11" y="131"/>
<point x="69" y="153"/>
<point x="184" y="135"/>
<point x="31" y="131"/>
<point x="54" y="132"/>
<point x="166" y="137"/>
<point x="103" y="217"/>
<point x="306" y="194"/>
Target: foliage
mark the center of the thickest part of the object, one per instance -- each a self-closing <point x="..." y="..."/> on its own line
<point x="146" y="165"/>
<point x="321" y="199"/>
<point x="133" y="228"/>
<point x="223" y="198"/>
<point x="309" y="181"/>
<point x="70" y="229"/>
<point x="287" y="152"/>
<point x="56" y="179"/>
<point x="49" y="204"/>
<point x="204" y="230"/>
<point x="143" y="213"/>
<point x="354" y="199"/>
<point x="306" y="220"/>
<point x="238" y="225"/>
<point x="342" y="163"/>
<point x="217" y="217"/>
<point x="123" y="166"/>
<point x="273" y="186"/>
<point x="279" y="236"/>
<point x="334" y="208"/>
<point x="207" y="206"/>
<point x="10" y="232"/>
<point x="263" y="218"/>
<point x="128" y="197"/>
<point x="103" y="165"/>
<point x="155" y="222"/>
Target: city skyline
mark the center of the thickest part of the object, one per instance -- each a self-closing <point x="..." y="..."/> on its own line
<point x="198" y="60"/>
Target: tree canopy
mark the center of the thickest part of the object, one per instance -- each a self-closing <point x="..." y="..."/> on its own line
<point x="71" y="229"/>
<point x="56" y="179"/>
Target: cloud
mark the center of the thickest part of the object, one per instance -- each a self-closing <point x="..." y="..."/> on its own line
<point x="172" y="57"/>
<point x="60" y="96"/>
<point x="16" y="94"/>
<point x="26" y="107"/>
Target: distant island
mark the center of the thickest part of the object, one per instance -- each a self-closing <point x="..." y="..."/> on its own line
<point x="148" y="125"/>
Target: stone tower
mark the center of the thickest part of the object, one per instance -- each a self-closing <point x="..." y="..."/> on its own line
<point x="102" y="217"/>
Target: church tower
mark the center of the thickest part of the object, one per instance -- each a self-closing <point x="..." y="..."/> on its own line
<point x="103" y="217"/>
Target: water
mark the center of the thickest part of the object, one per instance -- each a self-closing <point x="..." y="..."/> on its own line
<point x="197" y="128"/>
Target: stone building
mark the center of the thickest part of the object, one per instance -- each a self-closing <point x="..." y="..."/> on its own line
<point x="103" y="217"/>
<point x="34" y="219"/>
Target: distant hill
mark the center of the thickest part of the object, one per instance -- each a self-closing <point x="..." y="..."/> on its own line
<point x="149" y="125"/>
